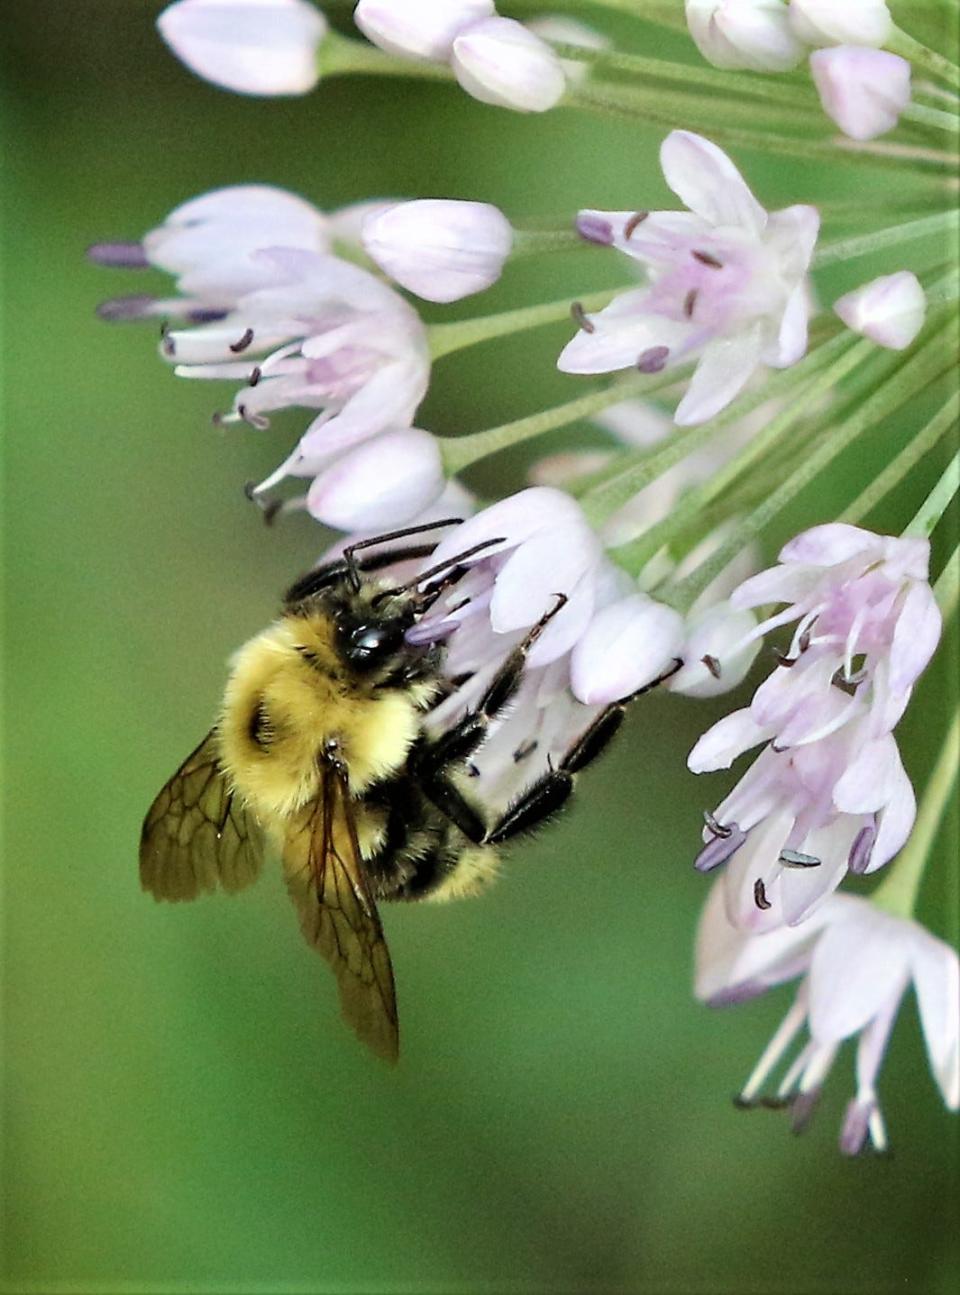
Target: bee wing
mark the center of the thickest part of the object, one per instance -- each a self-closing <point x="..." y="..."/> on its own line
<point x="338" y="915"/>
<point x="197" y="836"/>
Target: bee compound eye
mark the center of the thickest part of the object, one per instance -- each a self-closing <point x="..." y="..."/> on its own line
<point x="366" y="644"/>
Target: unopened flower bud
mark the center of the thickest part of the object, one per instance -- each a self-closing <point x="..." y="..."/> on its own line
<point x="384" y="482"/>
<point x="628" y="645"/>
<point x="751" y="34"/>
<point x="499" y="61"/>
<point x="863" y="90"/>
<point x="841" y="22"/>
<point x="717" y="651"/>
<point x="889" y="310"/>
<point x="261" y="47"/>
<point x="568" y="31"/>
<point x="441" y="249"/>
<point x="418" y="28"/>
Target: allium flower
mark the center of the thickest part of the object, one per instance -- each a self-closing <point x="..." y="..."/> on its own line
<point x="852" y="22"/>
<point x="500" y="61"/>
<point x="863" y="90"/>
<point x="627" y="645"/>
<point x="798" y="820"/>
<point x="209" y="244"/>
<point x="259" y="47"/>
<point x="867" y="624"/>
<point x="441" y="249"/>
<point x="726" y="283"/>
<point x="346" y="344"/>
<point x="889" y="310"/>
<point x="751" y="34"/>
<point x="718" y="649"/>
<point x="857" y="962"/>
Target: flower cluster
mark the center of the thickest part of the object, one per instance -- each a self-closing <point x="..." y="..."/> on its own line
<point x="630" y="562"/>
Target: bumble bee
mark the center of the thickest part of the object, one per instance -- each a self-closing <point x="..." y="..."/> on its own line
<point x="321" y="752"/>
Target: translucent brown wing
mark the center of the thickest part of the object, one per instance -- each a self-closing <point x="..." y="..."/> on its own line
<point x="197" y="837"/>
<point x="338" y="916"/>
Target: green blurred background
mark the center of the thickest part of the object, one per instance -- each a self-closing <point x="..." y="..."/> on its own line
<point x="182" y="1109"/>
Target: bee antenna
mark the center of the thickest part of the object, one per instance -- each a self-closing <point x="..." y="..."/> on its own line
<point x="441" y="566"/>
<point x="353" y="573"/>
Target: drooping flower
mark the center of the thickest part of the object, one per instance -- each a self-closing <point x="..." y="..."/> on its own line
<point x="727" y="283"/>
<point x="863" y="90"/>
<point x="338" y="340"/>
<point x="854" y="22"/>
<point x="889" y="310"/>
<point x="867" y="624"/>
<point x="257" y="47"/>
<point x="441" y="249"/>
<point x="857" y="961"/>
<point x="209" y="245"/>
<point x="389" y="480"/>
<point x="755" y="35"/>
<point x="799" y="820"/>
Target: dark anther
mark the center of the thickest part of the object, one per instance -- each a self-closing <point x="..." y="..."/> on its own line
<point x="256" y="374"/>
<point x="636" y="219"/>
<point x="242" y="343"/>
<point x="744" y="1103"/>
<point x="774" y="1103"/>
<point x="712" y="664"/>
<point x="473" y="771"/>
<point x="525" y="749"/>
<point x="580" y="317"/>
<point x="269" y="507"/>
<point x="718" y="829"/>
<point x="689" y="301"/>
<point x="706" y="259"/>
<point x="785" y="661"/>
<point x="255" y="420"/>
<point x="778" y="749"/>
<point x="218" y="419"/>
<point x="805" y="637"/>
<point x="653" y="359"/>
<point x="794" y="859"/>
<point x="760" y="895"/>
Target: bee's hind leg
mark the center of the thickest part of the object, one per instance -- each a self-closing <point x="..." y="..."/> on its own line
<point x="551" y="791"/>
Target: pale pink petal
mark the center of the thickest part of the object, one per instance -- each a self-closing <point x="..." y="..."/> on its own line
<point x="863" y="90"/>
<point x="870" y="780"/>
<point x="385" y="482"/>
<point x="499" y="61"/>
<point x="936" y="976"/>
<point x="890" y="310"/>
<point x="706" y="181"/>
<point x="803" y="890"/>
<point x="548" y="564"/>
<point x="859" y="965"/>
<point x="628" y="645"/>
<point x="724" y="369"/>
<point x="718" y="651"/>
<point x="915" y="638"/>
<point x="727" y="739"/>
<point x="418" y="28"/>
<point x="896" y="822"/>
<point x="622" y="334"/>
<point x="787" y="584"/>
<point x="790" y="344"/>
<point x="852" y="22"/>
<point x="514" y="518"/>
<point x="830" y="544"/>
<point x="258" y="47"/>
<point x="752" y="879"/>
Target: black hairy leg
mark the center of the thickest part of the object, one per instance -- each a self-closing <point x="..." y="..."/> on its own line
<point x="431" y="760"/>
<point x="551" y="791"/>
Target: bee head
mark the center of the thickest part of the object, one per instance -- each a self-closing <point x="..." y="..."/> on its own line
<point x="368" y="642"/>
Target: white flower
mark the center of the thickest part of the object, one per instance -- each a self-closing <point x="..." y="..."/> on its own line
<point x="726" y="283"/>
<point x="751" y="34"/>
<point x="841" y="22"/>
<point x="863" y="90"/>
<point x="259" y="47"/>
<point x="385" y="481"/>
<point x="500" y="61"/>
<point x="857" y="962"/>
<point x="798" y="820"/>
<point x="441" y="249"/>
<point x="889" y="310"/>
<point x="418" y="28"/>
<point x="339" y="340"/>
